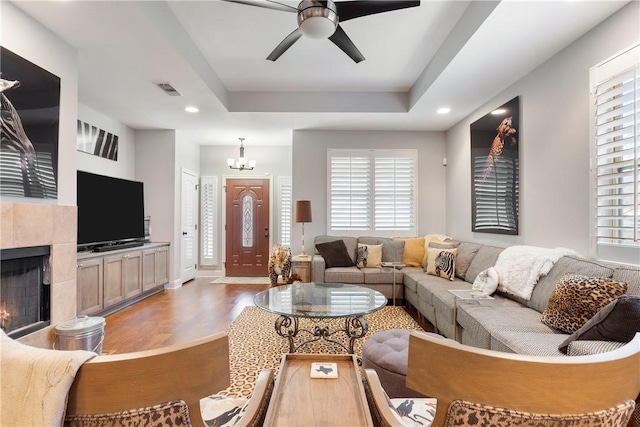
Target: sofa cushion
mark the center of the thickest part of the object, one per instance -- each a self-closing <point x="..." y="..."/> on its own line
<point x="576" y="299"/>
<point x="485" y="258"/>
<point x="381" y="275"/>
<point x="350" y="275"/>
<point x="618" y="321"/>
<point x="567" y="264"/>
<point x="392" y="250"/>
<point x="369" y="255"/>
<point x="466" y="253"/>
<point x="441" y="262"/>
<point x="335" y="254"/>
<point x="630" y="275"/>
<point x="350" y="242"/>
<point x="414" y="252"/>
<point x="586" y="348"/>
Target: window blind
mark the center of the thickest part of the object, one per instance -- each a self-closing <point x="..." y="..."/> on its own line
<point x="208" y="217"/>
<point x="350" y="193"/>
<point x="286" y="209"/>
<point x="617" y="158"/>
<point x="394" y="193"/>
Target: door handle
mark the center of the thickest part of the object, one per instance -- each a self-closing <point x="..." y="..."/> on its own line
<point x="266" y="232"/>
<point x="184" y="233"/>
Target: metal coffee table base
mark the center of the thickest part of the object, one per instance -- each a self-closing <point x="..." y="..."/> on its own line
<point x="354" y="328"/>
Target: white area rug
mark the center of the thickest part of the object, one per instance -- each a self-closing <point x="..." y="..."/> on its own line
<point x="243" y="280"/>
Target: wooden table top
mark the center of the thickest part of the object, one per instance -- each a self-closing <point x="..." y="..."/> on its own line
<point x="299" y="400"/>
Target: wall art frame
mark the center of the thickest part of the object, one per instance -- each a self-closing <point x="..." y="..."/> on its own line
<point x="30" y="97"/>
<point x="96" y="141"/>
<point x="495" y="170"/>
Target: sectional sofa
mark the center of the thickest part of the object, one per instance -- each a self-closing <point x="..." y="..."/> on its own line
<point x="505" y="322"/>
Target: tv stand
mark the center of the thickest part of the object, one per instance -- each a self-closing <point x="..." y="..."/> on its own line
<point x="116" y="246"/>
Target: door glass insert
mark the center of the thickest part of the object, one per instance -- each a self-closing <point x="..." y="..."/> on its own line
<point x="247" y="221"/>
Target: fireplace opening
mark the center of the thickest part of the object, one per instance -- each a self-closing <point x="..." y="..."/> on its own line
<point x="25" y="283"/>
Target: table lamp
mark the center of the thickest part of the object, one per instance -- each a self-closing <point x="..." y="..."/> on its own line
<point x="303" y="214"/>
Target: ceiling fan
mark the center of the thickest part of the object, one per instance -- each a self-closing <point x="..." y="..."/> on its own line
<point x="320" y="19"/>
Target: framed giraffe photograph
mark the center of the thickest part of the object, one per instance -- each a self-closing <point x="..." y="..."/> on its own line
<point x="30" y="97"/>
<point x="495" y="167"/>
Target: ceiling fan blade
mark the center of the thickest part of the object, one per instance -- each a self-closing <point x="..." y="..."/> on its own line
<point x="285" y="44"/>
<point x="267" y="4"/>
<point x="355" y="9"/>
<point x="342" y="40"/>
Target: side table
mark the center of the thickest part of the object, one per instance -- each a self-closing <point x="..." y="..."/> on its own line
<point x="301" y="265"/>
<point x="463" y="294"/>
<point x="395" y="266"/>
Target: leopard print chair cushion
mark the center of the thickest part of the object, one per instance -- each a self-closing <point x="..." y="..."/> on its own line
<point x="576" y="299"/>
<point x="169" y="414"/>
<point x="463" y="413"/>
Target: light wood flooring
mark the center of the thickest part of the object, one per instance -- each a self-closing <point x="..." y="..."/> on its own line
<point x="198" y="308"/>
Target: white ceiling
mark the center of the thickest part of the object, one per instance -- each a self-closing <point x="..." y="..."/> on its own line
<point x="450" y="53"/>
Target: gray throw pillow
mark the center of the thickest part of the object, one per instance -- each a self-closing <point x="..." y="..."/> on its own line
<point x="335" y="254"/>
<point x="617" y="321"/>
<point x="392" y="250"/>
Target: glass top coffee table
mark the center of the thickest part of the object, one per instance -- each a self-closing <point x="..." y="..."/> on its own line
<point x="320" y="302"/>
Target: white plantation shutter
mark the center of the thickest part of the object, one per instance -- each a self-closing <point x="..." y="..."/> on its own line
<point x="615" y="168"/>
<point x="350" y="193"/>
<point x="208" y="219"/>
<point x="394" y="193"/>
<point x="617" y="156"/>
<point x="372" y="191"/>
<point x="286" y="199"/>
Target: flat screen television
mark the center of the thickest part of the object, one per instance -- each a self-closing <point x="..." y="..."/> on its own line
<point x="110" y="212"/>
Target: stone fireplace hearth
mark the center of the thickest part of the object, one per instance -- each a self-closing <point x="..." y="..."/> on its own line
<point x="30" y="224"/>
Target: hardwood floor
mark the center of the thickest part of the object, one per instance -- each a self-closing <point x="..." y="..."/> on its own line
<point x="198" y="308"/>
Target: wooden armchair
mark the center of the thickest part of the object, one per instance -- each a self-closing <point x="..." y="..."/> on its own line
<point x="188" y="372"/>
<point x="494" y="384"/>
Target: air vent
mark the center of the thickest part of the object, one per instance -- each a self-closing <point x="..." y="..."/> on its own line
<point x="168" y="89"/>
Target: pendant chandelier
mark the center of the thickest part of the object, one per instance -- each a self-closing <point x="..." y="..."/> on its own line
<point x="241" y="163"/>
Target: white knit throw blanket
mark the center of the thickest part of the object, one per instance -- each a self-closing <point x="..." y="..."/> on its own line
<point x="35" y="382"/>
<point x="520" y="267"/>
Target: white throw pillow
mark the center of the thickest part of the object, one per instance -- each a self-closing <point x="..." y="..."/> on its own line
<point x="486" y="281"/>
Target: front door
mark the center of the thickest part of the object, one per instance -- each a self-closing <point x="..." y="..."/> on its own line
<point x="247" y="227"/>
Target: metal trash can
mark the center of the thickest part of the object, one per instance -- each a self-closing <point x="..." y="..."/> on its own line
<point x="81" y="333"/>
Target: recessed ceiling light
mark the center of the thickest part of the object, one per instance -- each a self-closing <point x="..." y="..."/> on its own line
<point x="498" y="111"/>
<point x="443" y="110"/>
<point x="191" y="109"/>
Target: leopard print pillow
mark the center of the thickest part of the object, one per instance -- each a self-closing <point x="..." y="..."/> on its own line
<point x="463" y="413"/>
<point x="576" y="299"/>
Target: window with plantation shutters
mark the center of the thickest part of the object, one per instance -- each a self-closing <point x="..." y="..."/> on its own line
<point x="616" y="162"/>
<point x="286" y="209"/>
<point x="372" y="191"/>
<point x="208" y="219"/>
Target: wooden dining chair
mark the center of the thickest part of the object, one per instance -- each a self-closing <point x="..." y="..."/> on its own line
<point x="475" y="386"/>
<point x="160" y="382"/>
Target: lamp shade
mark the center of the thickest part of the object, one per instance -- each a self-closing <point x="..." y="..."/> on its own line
<point x="303" y="211"/>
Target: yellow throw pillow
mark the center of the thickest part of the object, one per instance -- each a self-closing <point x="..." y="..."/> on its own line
<point x="442" y="262"/>
<point x="413" y="255"/>
<point x="369" y="255"/>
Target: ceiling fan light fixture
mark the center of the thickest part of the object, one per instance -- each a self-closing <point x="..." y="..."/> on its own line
<point x="316" y="20"/>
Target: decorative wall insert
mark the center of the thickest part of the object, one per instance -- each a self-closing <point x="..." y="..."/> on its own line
<point x="495" y="169"/>
<point x="25" y="283"/>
